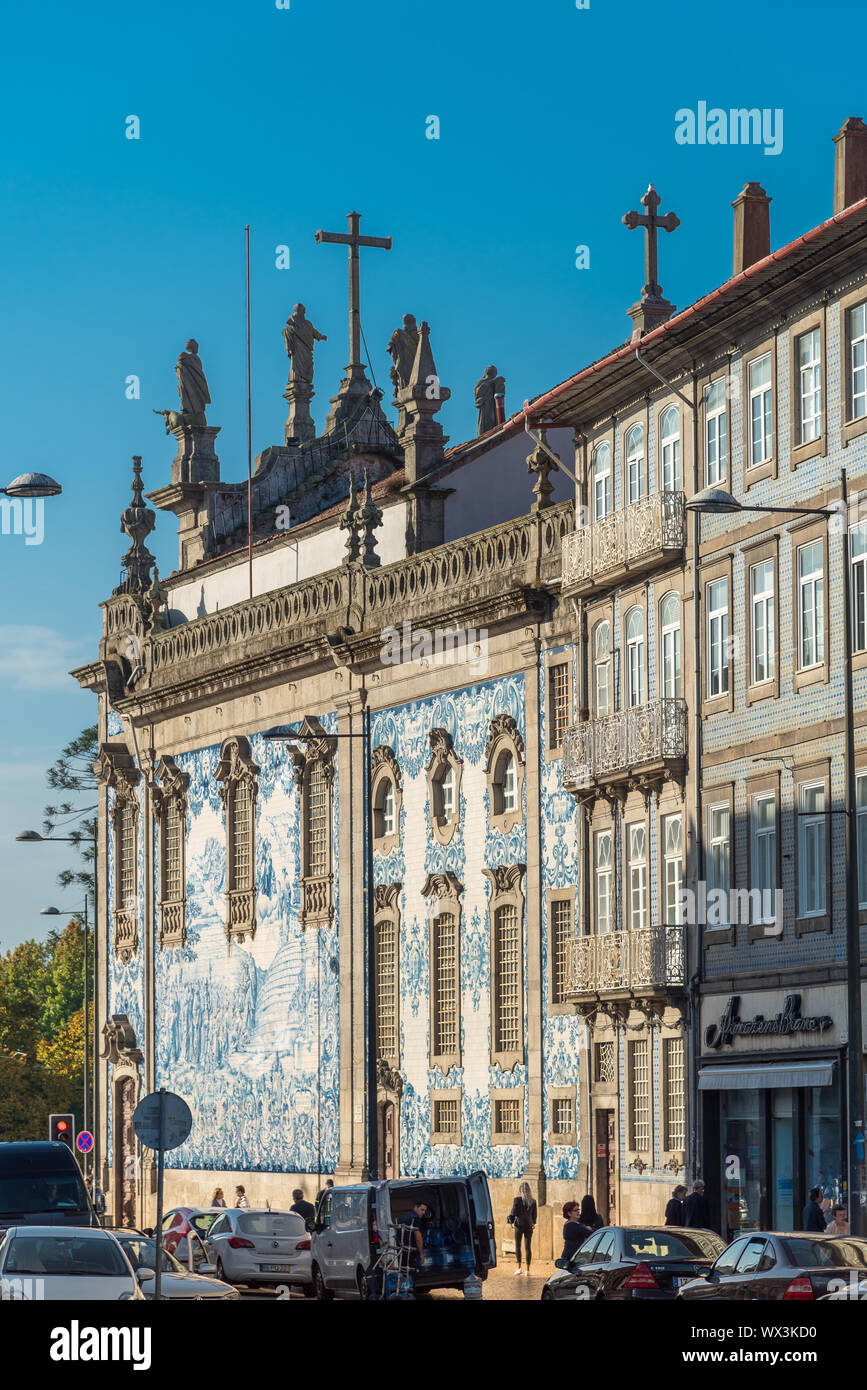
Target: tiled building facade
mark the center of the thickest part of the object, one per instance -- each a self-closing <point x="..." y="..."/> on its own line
<point x="441" y="928"/>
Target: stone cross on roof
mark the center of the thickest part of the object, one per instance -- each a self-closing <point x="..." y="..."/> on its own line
<point x="652" y="309"/>
<point x="354" y="387"/>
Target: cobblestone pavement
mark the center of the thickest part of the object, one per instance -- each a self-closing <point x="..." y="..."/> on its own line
<point x="502" y="1284"/>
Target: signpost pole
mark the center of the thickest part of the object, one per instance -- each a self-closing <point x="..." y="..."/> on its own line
<point x="158" y="1286"/>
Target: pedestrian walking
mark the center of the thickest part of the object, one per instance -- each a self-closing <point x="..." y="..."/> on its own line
<point x="241" y="1198"/>
<point x="523" y="1218"/>
<point x="589" y="1216"/>
<point x="218" y="1200"/>
<point x="674" y="1206"/>
<point x="329" y="1183"/>
<point x="304" y="1209"/>
<point x="812" y="1218"/>
<point x="574" y="1231"/>
<point x="695" y="1208"/>
<point x="840" y="1225"/>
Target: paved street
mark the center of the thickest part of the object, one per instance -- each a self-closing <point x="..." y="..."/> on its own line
<point x="502" y="1285"/>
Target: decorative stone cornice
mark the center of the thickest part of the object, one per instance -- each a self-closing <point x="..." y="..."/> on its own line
<point x="174" y="783"/>
<point x="119" y="1041"/>
<point x="505" y="878"/>
<point x="383" y="756"/>
<point x="115" y="768"/>
<point x="444" y="885"/>
<point x="504" y="726"/>
<point x="236" y="765"/>
<point x="386" y="896"/>
<point x="315" y="745"/>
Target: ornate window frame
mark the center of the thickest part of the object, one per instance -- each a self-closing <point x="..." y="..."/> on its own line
<point x="446" y="1136"/>
<point x="386" y="909"/>
<point x="172" y="911"/>
<point x="385" y="771"/>
<point x="504" y="740"/>
<point x="317" y="749"/>
<point x="443" y="757"/>
<point x="498" y="1094"/>
<point x="236" y="768"/>
<point x="506" y="891"/>
<point x="116" y="769"/>
<point x="447" y="891"/>
<point x="568" y="1137"/>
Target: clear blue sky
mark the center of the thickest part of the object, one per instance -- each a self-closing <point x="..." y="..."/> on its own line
<point x="113" y="251"/>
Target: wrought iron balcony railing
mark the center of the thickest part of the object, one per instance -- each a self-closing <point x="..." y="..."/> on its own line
<point x="625" y="542"/>
<point x="648" y="959"/>
<point x="646" y="736"/>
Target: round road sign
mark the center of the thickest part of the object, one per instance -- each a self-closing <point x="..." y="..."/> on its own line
<point x="84" y="1142"/>
<point x="177" y="1120"/>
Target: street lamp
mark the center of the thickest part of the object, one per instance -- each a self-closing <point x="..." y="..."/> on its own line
<point x="32" y="485"/>
<point x="712" y="501"/>
<point x="55" y="912"/>
<point x="33" y="837"/>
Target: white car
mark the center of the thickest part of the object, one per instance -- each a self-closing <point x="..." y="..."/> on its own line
<point x="74" y="1263"/>
<point x="177" y="1283"/>
<point x="261" y="1247"/>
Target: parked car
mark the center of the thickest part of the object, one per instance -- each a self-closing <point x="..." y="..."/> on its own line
<point x="633" y="1262"/>
<point x="794" y="1266"/>
<point x="176" y="1282"/>
<point x="260" y="1247"/>
<point x="356" y="1228"/>
<point x="41" y="1185"/>
<point x="178" y="1222"/>
<point x="73" y="1263"/>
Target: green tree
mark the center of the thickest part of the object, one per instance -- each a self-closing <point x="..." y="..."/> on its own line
<point x="63" y="988"/>
<point x="73" y="772"/>
<point x="22" y="980"/>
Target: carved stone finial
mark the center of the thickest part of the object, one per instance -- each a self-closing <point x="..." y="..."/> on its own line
<point x="542" y="463"/>
<point x="351" y="524"/>
<point x="137" y="521"/>
<point x="370" y="517"/>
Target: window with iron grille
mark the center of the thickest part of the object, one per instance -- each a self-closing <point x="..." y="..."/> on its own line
<point x="173" y="888"/>
<point x="446" y="1116"/>
<point x="508" y="1014"/>
<point x="639" y="1057"/>
<point x="317" y="822"/>
<point x="444" y="1003"/>
<point x="561" y="934"/>
<point x="386" y="989"/>
<point x="558" y="703"/>
<point x="675" y="1109"/>
<point x="126" y="868"/>
<point x="241" y="863"/>
<point x="507" y="1116"/>
<point x="605" y="1069"/>
<point x="563" y="1115"/>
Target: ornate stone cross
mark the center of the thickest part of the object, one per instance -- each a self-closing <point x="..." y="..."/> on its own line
<point x="650" y="222"/>
<point x="354" y="240"/>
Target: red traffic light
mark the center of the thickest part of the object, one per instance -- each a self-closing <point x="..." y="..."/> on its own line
<point x="61" y="1126"/>
<point x="60" y="1129"/>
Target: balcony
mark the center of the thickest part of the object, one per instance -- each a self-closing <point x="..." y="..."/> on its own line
<point x="650" y="961"/>
<point x="644" y="744"/>
<point x="630" y="542"/>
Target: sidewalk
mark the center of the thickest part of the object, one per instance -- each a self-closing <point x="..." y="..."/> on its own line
<point x="503" y="1285"/>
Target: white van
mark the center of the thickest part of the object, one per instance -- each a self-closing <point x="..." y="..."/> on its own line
<point x="355" y="1225"/>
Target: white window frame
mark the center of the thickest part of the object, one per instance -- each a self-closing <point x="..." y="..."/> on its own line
<point x="669" y="450"/>
<point x="812" y="847"/>
<point x="717" y="639"/>
<point x="718" y="853"/>
<point x="636" y="874"/>
<point x="809" y="385"/>
<point x="670" y="645"/>
<point x="602" y="668"/>
<point x="857" y="329"/>
<point x="763" y="856"/>
<point x="858" y="564"/>
<point x="600" y="473"/>
<point x="603" y="866"/>
<point x="761" y="411"/>
<point x="762" y="622"/>
<point x="811" y="607"/>
<point x="635" y="689"/>
<point x="715" y="433"/>
<point x="672" y="868"/>
<point x="861" y="836"/>
<point x="635" y="463"/>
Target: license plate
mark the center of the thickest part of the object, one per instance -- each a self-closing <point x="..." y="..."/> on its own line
<point x="275" y="1269"/>
<point x="676" y="1281"/>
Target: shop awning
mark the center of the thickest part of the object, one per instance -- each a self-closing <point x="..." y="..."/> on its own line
<point x="762" y="1077"/>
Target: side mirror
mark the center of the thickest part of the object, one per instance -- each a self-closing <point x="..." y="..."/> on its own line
<point x="206" y="1269"/>
<point x="144" y="1273"/>
<point x="99" y="1204"/>
<point x="562" y="1264"/>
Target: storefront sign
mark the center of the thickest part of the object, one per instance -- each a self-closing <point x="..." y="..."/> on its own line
<point x="789" y="1021"/>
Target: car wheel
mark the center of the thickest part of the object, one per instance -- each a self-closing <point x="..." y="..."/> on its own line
<point x="364" y="1284"/>
<point x="221" y="1273"/>
<point x="324" y="1294"/>
<point x="308" y="1291"/>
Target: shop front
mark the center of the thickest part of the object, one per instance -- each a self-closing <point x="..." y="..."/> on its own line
<point x="772" y="1102"/>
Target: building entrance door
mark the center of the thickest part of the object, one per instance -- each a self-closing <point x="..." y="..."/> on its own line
<point x="124" y="1154"/>
<point x="388" y="1167"/>
<point x="606" y="1156"/>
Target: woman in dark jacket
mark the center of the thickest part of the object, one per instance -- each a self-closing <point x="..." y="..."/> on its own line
<point x="523" y="1218"/>
<point x="589" y="1215"/>
<point x="674" y="1209"/>
<point x="574" y="1231"/>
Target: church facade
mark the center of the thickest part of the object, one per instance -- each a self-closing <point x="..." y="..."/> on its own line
<point x="412" y="779"/>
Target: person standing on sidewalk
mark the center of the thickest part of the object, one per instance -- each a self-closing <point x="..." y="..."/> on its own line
<point x="695" y="1208"/>
<point x="674" y="1208"/>
<point x="523" y="1218"/>
<point x="241" y="1198"/>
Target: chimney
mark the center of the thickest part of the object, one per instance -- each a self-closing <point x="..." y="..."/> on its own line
<point x="752" y="227"/>
<point x="850" y="163"/>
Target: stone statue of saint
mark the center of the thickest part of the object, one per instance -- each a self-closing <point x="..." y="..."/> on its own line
<point x="487" y="388"/>
<point x="401" y="348"/>
<point x="299" y="335"/>
<point x="192" y="386"/>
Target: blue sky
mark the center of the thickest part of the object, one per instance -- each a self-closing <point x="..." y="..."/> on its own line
<point x="114" y="251"/>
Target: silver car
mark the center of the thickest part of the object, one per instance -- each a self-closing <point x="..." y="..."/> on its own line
<point x="261" y="1247"/>
<point x="177" y="1283"/>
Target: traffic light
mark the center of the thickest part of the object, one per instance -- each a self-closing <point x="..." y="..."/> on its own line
<point x="61" y="1129"/>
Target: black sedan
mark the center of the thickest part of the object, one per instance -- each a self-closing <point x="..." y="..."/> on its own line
<point x="633" y="1262"/>
<point x="788" y="1267"/>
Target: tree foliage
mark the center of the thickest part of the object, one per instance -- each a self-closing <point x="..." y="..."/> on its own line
<point x="73" y="772"/>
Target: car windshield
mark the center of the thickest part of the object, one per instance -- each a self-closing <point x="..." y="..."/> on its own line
<point x="142" y="1254"/>
<point x="203" y="1221"/>
<point x="826" y="1254"/>
<point x="271" y="1223"/>
<point x="42" y="1192"/>
<point x="73" y="1256"/>
<point x="660" y="1245"/>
